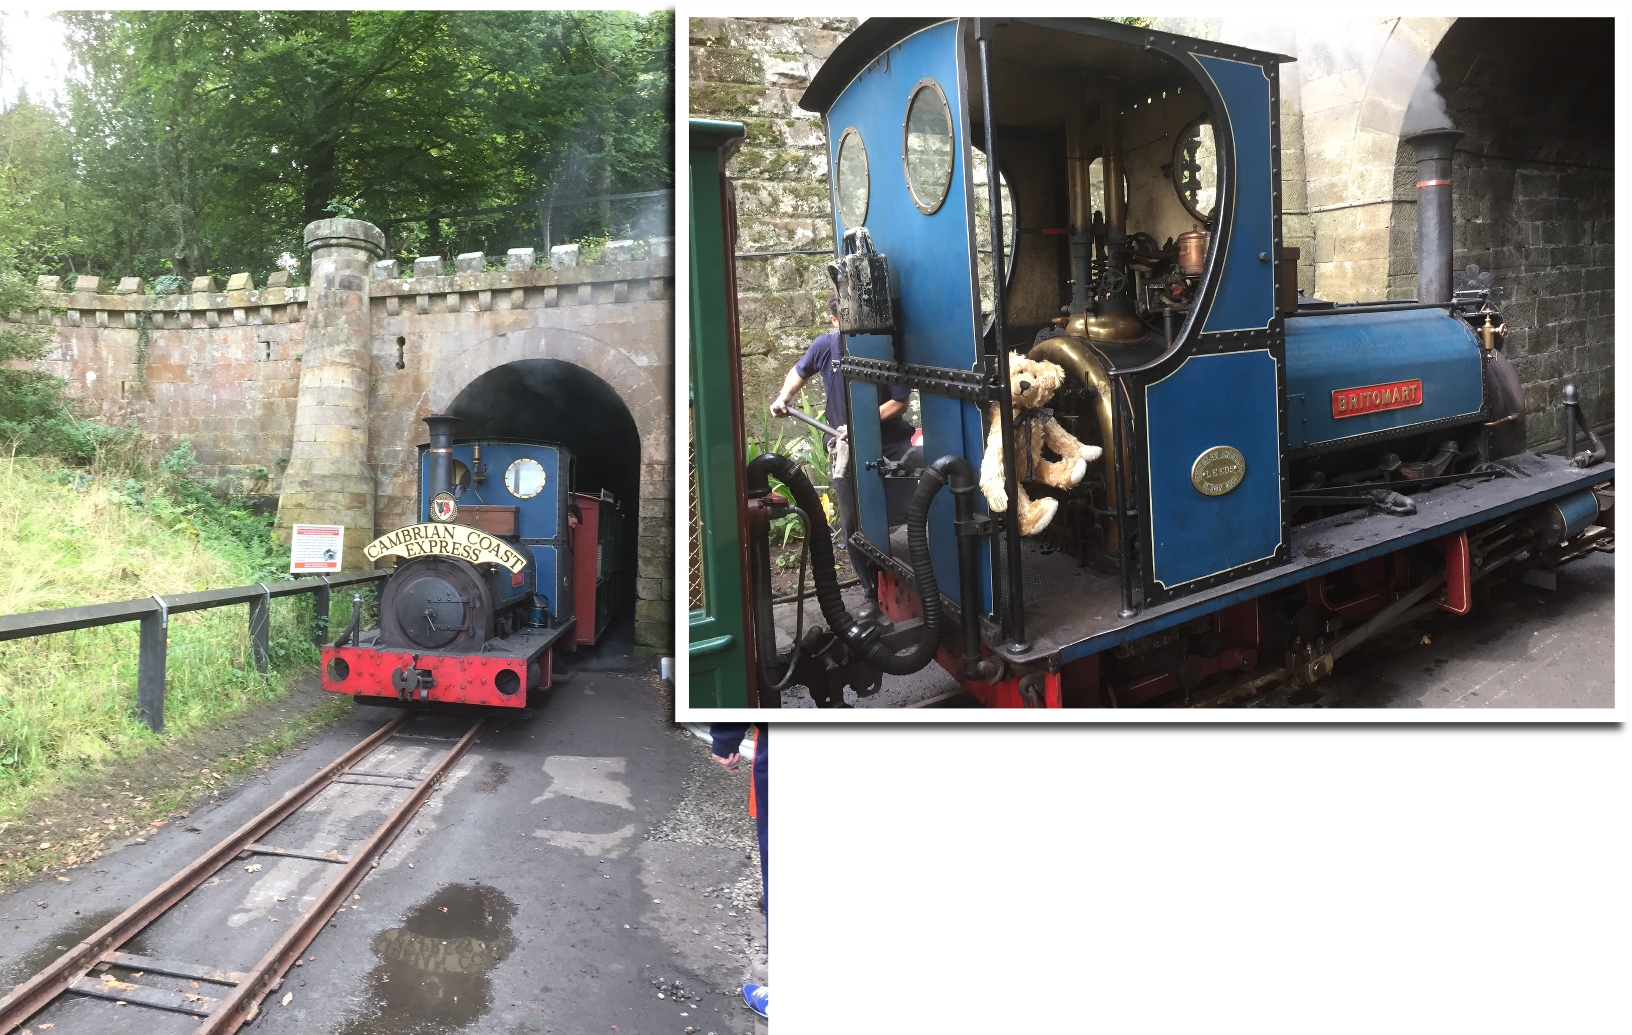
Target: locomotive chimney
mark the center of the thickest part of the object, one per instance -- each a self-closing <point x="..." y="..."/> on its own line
<point x="439" y="471"/>
<point x="1433" y="150"/>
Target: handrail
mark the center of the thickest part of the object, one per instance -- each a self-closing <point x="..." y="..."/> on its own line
<point x="153" y="614"/>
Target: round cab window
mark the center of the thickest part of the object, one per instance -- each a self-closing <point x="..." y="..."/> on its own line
<point x="1195" y="169"/>
<point x="927" y="150"/>
<point x="852" y="179"/>
<point x="524" y="479"/>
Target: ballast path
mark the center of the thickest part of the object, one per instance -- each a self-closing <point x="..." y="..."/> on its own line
<point x="71" y="971"/>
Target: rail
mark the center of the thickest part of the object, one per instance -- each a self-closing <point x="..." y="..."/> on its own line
<point x="154" y="615"/>
<point x="227" y="1013"/>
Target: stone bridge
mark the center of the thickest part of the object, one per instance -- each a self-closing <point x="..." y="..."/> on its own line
<point x="314" y="394"/>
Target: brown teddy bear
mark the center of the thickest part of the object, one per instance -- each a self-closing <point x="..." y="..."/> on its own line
<point x="1032" y="384"/>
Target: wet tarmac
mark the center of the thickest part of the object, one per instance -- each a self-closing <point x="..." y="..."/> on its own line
<point x="434" y="974"/>
<point x="578" y="867"/>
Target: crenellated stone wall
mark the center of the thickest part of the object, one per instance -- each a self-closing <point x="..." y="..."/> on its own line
<point x="224" y="369"/>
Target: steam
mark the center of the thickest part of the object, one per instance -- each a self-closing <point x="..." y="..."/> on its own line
<point x="1427" y="109"/>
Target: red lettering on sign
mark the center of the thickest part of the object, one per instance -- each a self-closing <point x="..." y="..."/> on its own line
<point x="1396" y="395"/>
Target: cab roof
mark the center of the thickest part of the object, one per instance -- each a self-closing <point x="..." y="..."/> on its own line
<point x="875" y="36"/>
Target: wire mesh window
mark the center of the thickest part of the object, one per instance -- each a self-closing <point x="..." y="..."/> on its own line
<point x="695" y="591"/>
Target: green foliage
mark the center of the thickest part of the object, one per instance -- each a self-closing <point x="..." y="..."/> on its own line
<point x="807" y="447"/>
<point x="37" y="419"/>
<point x="216" y="136"/>
<point x="72" y="537"/>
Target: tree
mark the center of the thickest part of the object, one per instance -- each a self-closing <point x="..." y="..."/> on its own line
<point x="217" y="135"/>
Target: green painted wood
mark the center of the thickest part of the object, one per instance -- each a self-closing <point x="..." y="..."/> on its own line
<point x="718" y="660"/>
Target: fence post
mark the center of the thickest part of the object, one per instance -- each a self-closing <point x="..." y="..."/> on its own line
<point x="260" y="627"/>
<point x="320" y="613"/>
<point x="150" y="663"/>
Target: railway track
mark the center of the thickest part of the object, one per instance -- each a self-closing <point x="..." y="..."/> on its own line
<point x="242" y="992"/>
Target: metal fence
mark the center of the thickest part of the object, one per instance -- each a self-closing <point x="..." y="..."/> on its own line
<point x="154" y="614"/>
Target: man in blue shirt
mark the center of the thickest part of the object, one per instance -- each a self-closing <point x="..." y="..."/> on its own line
<point x="823" y="357"/>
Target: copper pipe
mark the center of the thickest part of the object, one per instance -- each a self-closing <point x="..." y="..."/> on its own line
<point x="1079" y="158"/>
<point x="1116" y="210"/>
<point x="1193" y="252"/>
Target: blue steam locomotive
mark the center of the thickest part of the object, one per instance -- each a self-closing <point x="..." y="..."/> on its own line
<point x="1270" y="479"/>
<point x="505" y="566"/>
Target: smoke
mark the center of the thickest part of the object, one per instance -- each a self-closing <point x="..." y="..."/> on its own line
<point x="1427" y="109"/>
<point x="549" y="400"/>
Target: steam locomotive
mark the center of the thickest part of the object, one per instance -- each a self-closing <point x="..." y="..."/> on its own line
<point x="506" y="566"/>
<point x="1281" y="478"/>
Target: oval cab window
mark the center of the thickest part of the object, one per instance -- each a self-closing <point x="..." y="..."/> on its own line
<point x="1195" y="169"/>
<point x="927" y="146"/>
<point x="852" y="179"/>
<point x="524" y="479"/>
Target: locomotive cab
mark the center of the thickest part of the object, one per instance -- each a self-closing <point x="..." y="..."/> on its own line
<point x="1138" y="178"/>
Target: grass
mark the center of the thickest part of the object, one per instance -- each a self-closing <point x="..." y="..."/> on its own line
<point x="143" y="815"/>
<point x="70" y="537"/>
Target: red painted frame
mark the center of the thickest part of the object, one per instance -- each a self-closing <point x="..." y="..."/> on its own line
<point x="459" y="678"/>
<point x="584" y="565"/>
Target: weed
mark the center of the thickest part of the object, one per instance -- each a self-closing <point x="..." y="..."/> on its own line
<point x="72" y="537"/>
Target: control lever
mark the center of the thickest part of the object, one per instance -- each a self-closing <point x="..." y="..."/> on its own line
<point x="805" y="418"/>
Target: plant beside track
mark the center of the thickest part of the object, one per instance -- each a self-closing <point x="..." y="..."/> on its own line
<point x="68" y="701"/>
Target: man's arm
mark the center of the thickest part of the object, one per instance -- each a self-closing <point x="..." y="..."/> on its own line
<point x="726" y="743"/>
<point x="790" y="385"/>
<point x="891" y="408"/>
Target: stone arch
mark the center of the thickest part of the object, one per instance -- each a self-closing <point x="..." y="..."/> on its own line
<point x="647" y="390"/>
<point x="643" y="379"/>
<point x="1356" y="85"/>
<point x="1532" y="198"/>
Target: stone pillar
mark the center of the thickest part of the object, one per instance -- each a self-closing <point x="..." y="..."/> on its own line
<point x="329" y="480"/>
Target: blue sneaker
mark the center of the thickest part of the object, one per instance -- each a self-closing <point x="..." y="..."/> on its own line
<point x="758" y="997"/>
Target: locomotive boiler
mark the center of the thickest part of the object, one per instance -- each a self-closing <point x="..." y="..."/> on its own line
<point x="1276" y="479"/>
<point x="506" y="566"/>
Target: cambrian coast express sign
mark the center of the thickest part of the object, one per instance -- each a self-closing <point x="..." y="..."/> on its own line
<point x="440" y="539"/>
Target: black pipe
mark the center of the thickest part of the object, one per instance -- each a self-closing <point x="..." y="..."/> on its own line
<point x="865" y="640"/>
<point x="1372" y="307"/>
<point x="349" y="634"/>
<point x="1434" y="244"/>
<point x="1124" y="460"/>
<point x="1573" y="416"/>
<point x="439" y="464"/>
<point x="1016" y="618"/>
<point x="964" y="488"/>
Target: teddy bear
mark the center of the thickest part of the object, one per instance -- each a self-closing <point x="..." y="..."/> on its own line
<point x="1032" y="384"/>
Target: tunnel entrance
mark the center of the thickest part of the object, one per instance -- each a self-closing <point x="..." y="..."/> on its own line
<point x="550" y="400"/>
<point x="1533" y="188"/>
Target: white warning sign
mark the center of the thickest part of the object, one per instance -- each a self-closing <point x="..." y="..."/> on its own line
<point x="316" y="549"/>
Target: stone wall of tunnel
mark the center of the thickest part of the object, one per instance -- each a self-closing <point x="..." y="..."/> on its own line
<point x="1533" y="198"/>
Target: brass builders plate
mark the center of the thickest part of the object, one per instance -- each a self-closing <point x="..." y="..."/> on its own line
<point x="1218" y="470"/>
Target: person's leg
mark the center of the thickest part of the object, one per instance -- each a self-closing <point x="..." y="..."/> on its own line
<point x="762" y="808"/>
<point x="845" y="489"/>
<point x="757" y="997"/>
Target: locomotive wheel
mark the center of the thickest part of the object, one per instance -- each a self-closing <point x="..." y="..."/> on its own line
<point x="1306" y="645"/>
<point x="436" y="603"/>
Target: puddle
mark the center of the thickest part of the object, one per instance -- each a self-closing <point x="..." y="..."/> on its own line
<point x="493" y="778"/>
<point x="50" y="947"/>
<point x="434" y="977"/>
